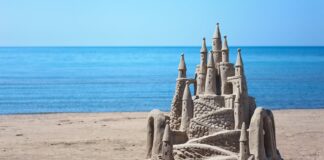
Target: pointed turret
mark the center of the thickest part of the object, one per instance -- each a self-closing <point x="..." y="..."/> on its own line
<point x="225" y="50"/>
<point x="217" y="56"/>
<point x="202" y="69"/>
<point x="217" y="34"/>
<point x="239" y="64"/>
<point x="203" y="56"/>
<point x="217" y="39"/>
<point x="187" y="93"/>
<point x="210" y="87"/>
<point x="203" y="48"/>
<point x="241" y="81"/>
<point x="187" y="108"/>
<point x="217" y="45"/>
<point x="182" y="67"/>
<point x="239" y="61"/>
<point x="225" y="45"/>
<point x="182" y="64"/>
<point x="225" y="69"/>
<point x="167" y="146"/>
<point x="244" y="147"/>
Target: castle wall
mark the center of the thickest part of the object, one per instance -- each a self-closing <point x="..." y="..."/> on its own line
<point x="211" y="123"/>
<point x="201" y="151"/>
<point x="236" y="83"/>
<point x="207" y="104"/>
<point x="228" y="140"/>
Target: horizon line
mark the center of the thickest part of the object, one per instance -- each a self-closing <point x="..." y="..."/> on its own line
<point x="153" y="46"/>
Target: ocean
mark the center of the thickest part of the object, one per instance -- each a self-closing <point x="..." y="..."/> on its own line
<point x="118" y="79"/>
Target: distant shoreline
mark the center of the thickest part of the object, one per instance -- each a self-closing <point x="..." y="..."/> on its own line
<point x="119" y="112"/>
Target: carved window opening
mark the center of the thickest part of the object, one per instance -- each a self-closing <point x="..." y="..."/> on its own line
<point x="228" y="88"/>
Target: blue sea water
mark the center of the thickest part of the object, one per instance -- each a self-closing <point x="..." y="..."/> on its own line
<point x="109" y="79"/>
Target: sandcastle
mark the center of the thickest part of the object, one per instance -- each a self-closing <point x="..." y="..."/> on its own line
<point x="220" y="121"/>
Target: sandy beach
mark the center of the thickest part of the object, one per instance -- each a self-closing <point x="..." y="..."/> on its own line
<point x="115" y="136"/>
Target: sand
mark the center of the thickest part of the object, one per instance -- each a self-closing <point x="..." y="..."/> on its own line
<point x="115" y="136"/>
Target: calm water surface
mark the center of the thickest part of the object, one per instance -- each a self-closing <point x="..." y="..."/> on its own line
<point x="105" y="79"/>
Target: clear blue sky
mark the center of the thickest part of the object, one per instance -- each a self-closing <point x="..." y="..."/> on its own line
<point x="160" y="23"/>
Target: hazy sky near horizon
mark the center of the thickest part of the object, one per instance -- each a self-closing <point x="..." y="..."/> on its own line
<point x="160" y="23"/>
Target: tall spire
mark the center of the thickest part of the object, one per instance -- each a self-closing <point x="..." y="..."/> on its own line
<point x="239" y="64"/>
<point x="203" y="46"/>
<point x="239" y="61"/>
<point x="182" y="67"/>
<point x="187" y="108"/>
<point x="225" y="45"/>
<point x="217" y="39"/>
<point x="210" y="87"/>
<point x="202" y="69"/>
<point x="225" y="50"/>
<point x="182" y="64"/>
<point x="217" y="33"/>
<point x="203" y="56"/>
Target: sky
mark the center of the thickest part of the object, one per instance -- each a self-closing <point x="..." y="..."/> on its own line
<point x="160" y="22"/>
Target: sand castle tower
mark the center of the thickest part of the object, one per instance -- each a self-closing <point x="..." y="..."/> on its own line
<point x="217" y="45"/>
<point x="210" y="84"/>
<point x="221" y="120"/>
<point x="202" y="69"/>
<point x="177" y="98"/>
<point x="217" y="55"/>
<point x="187" y="108"/>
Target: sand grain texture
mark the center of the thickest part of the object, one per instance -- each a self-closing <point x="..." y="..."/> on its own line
<point x="121" y="136"/>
